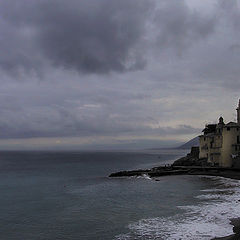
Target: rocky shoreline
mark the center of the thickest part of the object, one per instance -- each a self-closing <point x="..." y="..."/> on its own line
<point x="236" y="229"/>
<point x="190" y="165"/>
<point x="168" y="171"/>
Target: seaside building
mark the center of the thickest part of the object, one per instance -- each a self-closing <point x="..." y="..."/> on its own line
<point x="220" y="143"/>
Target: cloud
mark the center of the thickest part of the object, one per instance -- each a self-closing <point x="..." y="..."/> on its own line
<point x="95" y="36"/>
<point x="49" y="110"/>
<point x="88" y="36"/>
<point x="178" y="27"/>
<point x="107" y="68"/>
<point x="62" y="122"/>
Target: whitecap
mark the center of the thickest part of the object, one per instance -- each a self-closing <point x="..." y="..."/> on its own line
<point x="145" y="176"/>
<point x="206" y="220"/>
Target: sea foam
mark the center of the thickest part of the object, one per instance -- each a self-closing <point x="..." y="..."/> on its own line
<point x="206" y="220"/>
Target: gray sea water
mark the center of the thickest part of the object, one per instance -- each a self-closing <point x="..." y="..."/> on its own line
<point x="68" y="196"/>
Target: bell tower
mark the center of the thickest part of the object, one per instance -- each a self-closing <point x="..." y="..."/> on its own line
<point x="238" y="112"/>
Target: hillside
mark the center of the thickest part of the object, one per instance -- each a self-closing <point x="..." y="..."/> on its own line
<point x="189" y="144"/>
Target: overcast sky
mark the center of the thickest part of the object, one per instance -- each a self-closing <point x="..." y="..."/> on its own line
<point x="98" y="74"/>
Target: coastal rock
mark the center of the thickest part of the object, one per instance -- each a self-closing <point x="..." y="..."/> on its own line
<point x="236" y="225"/>
<point x="188" y="165"/>
<point x="236" y="229"/>
<point x="139" y="172"/>
<point x="192" y="159"/>
<point x="154" y="172"/>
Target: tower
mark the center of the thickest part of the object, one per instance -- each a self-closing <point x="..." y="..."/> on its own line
<point x="221" y="121"/>
<point x="238" y="112"/>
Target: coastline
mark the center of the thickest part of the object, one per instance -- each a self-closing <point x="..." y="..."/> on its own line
<point x="225" y="174"/>
<point x="236" y="229"/>
<point x="200" y="172"/>
<point x="180" y="170"/>
<point x="189" y="165"/>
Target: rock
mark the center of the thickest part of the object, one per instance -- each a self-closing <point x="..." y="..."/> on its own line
<point x="139" y="172"/>
<point x="236" y="225"/>
<point x="192" y="159"/>
<point x="236" y="229"/>
<point x="154" y="172"/>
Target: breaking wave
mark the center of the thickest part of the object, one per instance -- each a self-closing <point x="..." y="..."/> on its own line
<point x="206" y="220"/>
<point x="145" y="176"/>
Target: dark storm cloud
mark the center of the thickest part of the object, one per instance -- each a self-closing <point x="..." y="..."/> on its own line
<point x="91" y="36"/>
<point x="182" y="52"/>
<point x="178" y="27"/>
<point x="94" y="36"/>
<point x="217" y="60"/>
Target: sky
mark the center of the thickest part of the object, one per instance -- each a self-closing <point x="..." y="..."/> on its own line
<point x="115" y="74"/>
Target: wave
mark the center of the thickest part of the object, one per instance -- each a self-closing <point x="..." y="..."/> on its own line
<point x="205" y="220"/>
<point x="145" y="176"/>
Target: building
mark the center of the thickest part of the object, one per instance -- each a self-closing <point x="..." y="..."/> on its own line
<point x="220" y="143"/>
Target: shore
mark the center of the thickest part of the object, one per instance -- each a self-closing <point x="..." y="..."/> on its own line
<point x="155" y="173"/>
<point x="236" y="229"/>
<point x="190" y="165"/>
<point x="180" y="170"/>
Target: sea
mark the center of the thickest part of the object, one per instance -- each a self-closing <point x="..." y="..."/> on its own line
<point x="69" y="196"/>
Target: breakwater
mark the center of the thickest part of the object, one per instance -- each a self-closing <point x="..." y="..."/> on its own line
<point x="188" y="165"/>
<point x="180" y="170"/>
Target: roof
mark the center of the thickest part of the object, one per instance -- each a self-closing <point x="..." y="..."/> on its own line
<point x="232" y="124"/>
<point x="210" y="135"/>
<point x="210" y="128"/>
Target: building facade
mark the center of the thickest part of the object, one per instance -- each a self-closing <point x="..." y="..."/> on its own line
<point x="220" y="143"/>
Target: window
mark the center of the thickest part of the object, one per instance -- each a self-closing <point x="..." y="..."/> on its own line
<point x="238" y="140"/>
<point x="228" y="128"/>
<point x="236" y="148"/>
<point x="204" y="139"/>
